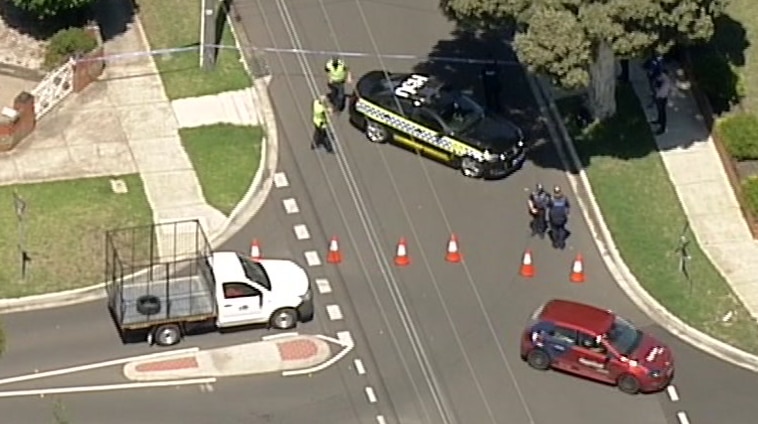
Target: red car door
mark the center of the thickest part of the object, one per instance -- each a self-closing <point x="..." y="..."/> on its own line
<point x="592" y="358"/>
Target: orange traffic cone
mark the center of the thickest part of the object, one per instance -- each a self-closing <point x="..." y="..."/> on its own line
<point x="527" y="267"/>
<point x="255" y="250"/>
<point x="453" y="255"/>
<point x="401" y="257"/>
<point x="334" y="256"/>
<point x="577" y="270"/>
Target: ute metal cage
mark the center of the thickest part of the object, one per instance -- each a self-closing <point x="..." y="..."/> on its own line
<point x="158" y="273"/>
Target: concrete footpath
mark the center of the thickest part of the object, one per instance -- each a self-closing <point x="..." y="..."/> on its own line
<point x="276" y="355"/>
<point x="704" y="190"/>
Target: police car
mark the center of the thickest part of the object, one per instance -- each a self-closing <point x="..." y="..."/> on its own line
<point x="420" y="112"/>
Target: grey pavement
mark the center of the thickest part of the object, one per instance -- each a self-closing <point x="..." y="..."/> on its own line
<point x="697" y="174"/>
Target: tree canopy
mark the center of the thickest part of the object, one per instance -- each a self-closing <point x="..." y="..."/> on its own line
<point x="44" y="9"/>
<point x="562" y="39"/>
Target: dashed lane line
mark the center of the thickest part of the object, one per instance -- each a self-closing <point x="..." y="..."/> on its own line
<point x="312" y="258"/>
<point x="280" y="180"/>
<point x="323" y="286"/>
<point x="290" y="206"/>
<point x="380" y="419"/>
<point x="682" y="417"/>
<point x="334" y="312"/>
<point x="673" y="394"/>
<point x="370" y="394"/>
<point x="359" y="368"/>
<point x="346" y="338"/>
<point x="301" y="232"/>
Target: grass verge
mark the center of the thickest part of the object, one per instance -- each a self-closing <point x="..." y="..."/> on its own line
<point x="64" y="232"/>
<point x="226" y="158"/>
<point x="176" y="23"/>
<point x="646" y="219"/>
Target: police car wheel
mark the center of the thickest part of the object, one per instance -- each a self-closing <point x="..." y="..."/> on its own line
<point x="628" y="384"/>
<point x="471" y="168"/>
<point x="538" y="360"/>
<point x="376" y="132"/>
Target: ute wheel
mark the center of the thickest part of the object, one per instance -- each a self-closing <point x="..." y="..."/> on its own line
<point x="167" y="335"/>
<point x="628" y="384"/>
<point x="471" y="168"/>
<point x="538" y="360"/>
<point x="284" y="319"/>
<point x="148" y="304"/>
<point x="376" y="132"/>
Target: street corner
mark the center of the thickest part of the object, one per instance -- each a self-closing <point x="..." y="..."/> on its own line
<point x="289" y="354"/>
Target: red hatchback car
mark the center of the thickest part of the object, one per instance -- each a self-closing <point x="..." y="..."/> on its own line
<point x="597" y="344"/>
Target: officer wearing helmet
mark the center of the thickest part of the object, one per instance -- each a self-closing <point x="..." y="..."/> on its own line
<point x="337" y="74"/>
<point x="538" y="203"/>
<point x="558" y="213"/>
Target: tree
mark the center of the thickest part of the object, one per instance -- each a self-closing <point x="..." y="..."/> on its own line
<point x="575" y="42"/>
<point x="44" y="9"/>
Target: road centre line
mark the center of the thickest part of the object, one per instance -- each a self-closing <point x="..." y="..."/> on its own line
<point x="290" y="206"/>
<point x="682" y="417"/>
<point x="301" y="232"/>
<point x="107" y="387"/>
<point x="280" y="180"/>
<point x="323" y="286"/>
<point x="334" y="312"/>
<point x="359" y="366"/>
<point x="380" y="419"/>
<point x="673" y="394"/>
<point x="312" y="259"/>
<point x="370" y="394"/>
<point x="88" y="367"/>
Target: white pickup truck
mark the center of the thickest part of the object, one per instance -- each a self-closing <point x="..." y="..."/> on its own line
<point x="224" y="289"/>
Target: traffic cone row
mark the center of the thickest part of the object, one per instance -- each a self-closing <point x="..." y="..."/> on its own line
<point x="576" y="275"/>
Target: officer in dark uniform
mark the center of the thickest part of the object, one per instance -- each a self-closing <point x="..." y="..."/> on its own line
<point x="490" y="76"/>
<point x="538" y="203"/>
<point x="558" y="214"/>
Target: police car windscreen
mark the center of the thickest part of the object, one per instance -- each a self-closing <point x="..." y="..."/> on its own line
<point x="459" y="112"/>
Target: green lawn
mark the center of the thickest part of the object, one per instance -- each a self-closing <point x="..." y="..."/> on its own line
<point x="176" y="23"/>
<point x="226" y="158"/>
<point x="745" y="13"/>
<point x="65" y="231"/>
<point x="643" y="213"/>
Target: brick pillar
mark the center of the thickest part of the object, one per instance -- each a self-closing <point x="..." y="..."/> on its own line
<point x="88" y="69"/>
<point x="25" y="122"/>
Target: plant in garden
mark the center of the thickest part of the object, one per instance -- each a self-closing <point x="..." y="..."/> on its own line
<point x="44" y="9"/>
<point x="66" y="43"/>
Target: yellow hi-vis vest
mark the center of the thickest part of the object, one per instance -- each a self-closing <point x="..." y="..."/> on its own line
<point x="337" y="74"/>
<point x="319" y="114"/>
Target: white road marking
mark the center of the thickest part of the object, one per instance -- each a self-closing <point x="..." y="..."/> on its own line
<point x="334" y="312"/>
<point x="323" y="286"/>
<point x="206" y="388"/>
<point x="380" y="419"/>
<point x="97" y="365"/>
<point x="324" y="365"/>
<point x="279" y="336"/>
<point x="106" y="387"/>
<point x="280" y="180"/>
<point x="312" y="259"/>
<point x="345" y="338"/>
<point x="673" y="395"/>
<point x="682" y="417"/>
<point x="359" y="367"/>
<point x="370" y="394"/>
<point x="290" y="206"/>
<point x="301" y="232"/>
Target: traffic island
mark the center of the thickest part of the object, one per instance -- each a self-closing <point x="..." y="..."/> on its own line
<point x="642" y="211"/>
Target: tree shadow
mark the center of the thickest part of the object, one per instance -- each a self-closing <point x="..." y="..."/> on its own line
<point x="30" y="25"/>
<point x="114" y="17"/>
<point x="714" y="64"/>
<point x="454" y="61"/>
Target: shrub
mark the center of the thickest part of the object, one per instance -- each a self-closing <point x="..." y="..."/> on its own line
<point x="750" y="193"/>
<point x="66" y="43"/>
<point x="739" y="133"/>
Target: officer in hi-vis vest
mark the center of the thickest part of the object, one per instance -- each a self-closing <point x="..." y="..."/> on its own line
<point x="321" y="124"/>
<point x="337" y="74"/>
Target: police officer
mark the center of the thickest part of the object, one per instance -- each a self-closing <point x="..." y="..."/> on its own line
<point x="663" y="87"/>
<point x="490" y="77"/>
<point x="337" y="74"/>
<point x="558" y="214"/>
<point x="321" y="124"/>
<point x="538" y="203"/>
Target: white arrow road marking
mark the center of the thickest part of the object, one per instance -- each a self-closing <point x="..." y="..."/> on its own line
<point x="97" y="365"/>
<point x="106" y="387"/>
<point x="346" y="341"/>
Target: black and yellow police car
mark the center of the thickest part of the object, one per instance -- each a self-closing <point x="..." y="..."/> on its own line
<point x="420" y="112"/>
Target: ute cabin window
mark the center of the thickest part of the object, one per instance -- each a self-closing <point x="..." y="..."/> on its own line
<point x="563" y="335"/>
<point x="427" y="120"/>
<point x="238" y="290"/>
<point x="592" y="344"/>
